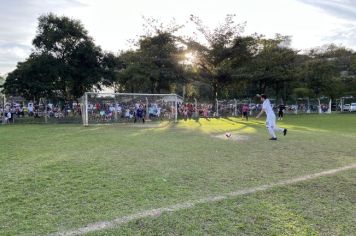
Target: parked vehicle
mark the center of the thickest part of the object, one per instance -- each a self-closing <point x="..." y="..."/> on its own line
<point x="346" y="107"/>
<point x="334" y="107"/>
<point x="352" y="107"/>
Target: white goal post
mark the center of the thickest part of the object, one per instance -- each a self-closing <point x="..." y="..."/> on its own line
<point x="102" y="108"/>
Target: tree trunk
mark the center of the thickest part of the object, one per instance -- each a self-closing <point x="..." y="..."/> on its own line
<point x="319" y="106"/>
<point x="264" y="87"/>
<point x="214" y="90"/>
<point x="285" y="91"/>
<point x="329" y="109"/>
<point x="342" y="104"/>
<point x="152" y="87"/>
<point x="277" y="91"/>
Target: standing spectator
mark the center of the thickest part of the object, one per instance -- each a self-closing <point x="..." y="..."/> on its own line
<point x="36" y="110"/>
<point x="205" y="112"/>
<point x="190" y="110"/>
<point x="158" y="111"/>
<point x="245" y="110"/>
<point x="9" y="117"/>
<point x="185" y="113"/>
<point x="30" y="109"/>
<point x="281" y="110"/>
<point x="128" y="115"/>
<point x="139" y="114"/>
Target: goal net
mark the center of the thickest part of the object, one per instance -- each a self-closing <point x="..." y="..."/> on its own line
<point x="101" y="108"/>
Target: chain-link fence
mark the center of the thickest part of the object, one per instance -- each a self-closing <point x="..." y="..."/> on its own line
<point x="123" y="108"/>
<point x="20" y="111"/>
<point x="251" y="107"/>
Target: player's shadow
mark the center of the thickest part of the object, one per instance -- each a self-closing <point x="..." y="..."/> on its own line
<point x="229" y="119"/>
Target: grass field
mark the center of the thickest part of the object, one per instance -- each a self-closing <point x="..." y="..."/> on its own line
<point x="56" y="178"/>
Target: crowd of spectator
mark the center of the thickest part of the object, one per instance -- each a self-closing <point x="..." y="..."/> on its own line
<point x="207" y="110"/>
<point x="12" y="111"/>
<point x="107" y="111"/>
<point x="188" y="110"/>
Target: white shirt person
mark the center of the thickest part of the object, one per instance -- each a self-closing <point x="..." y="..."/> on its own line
<point x="271" y="118"/>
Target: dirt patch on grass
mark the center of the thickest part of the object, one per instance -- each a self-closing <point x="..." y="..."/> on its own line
<point x="233" y="137"/>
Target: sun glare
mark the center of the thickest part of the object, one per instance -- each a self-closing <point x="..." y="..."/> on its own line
<point x="189" y="58"/>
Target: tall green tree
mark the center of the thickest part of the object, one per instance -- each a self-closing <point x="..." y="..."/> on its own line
<point x="35" y="78"/>
<point x="220" y="54"/>
<point x="2" y="81"/>
<point x="80" y="65"/>
<point x="274" y="66"/>
<point x="350" y="80"/>
<point x="322" y="73"/>
<point x="154" y="67"/>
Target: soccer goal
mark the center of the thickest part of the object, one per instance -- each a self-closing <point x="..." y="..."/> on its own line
<point x="101" y="108"/>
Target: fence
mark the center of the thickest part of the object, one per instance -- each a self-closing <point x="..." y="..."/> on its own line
<point x="233" y="107"/>
<point x="109" y="108"/>
<point x="18" y="110"/>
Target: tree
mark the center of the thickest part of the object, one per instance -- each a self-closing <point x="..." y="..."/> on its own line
<point x="350" y="81"/>
<point x="154" y="67"/>
<point x="34" y="78"/>
<point x="274" y="66"/>
<point x="222" y="56"/>
<point x="302" y="92"/>
<point x="76" y="65"/>
<point x="133" y="77"/>
<point x="319" y="75"/>
<point x="2" y="81"/>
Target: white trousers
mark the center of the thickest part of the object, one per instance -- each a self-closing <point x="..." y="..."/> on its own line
<point x="271" y="125"/>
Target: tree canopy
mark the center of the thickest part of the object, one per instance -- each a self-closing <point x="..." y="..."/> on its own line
<point x="222" y="62"/>
<point x="65" y="62"/>
<point x="154" y="67"/>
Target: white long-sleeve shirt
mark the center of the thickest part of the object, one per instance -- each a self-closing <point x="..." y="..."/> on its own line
<point x="268" y="108"/>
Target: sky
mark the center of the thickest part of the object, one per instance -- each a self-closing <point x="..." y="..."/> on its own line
<point x="113" y="23"/>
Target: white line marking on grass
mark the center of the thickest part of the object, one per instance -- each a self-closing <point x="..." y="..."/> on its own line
<point x="94" y="129"/>
<point x="190" y="204"/>
<point x="87" y="129"/>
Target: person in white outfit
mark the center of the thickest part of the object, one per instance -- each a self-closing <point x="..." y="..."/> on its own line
<point x="271" y="118"/>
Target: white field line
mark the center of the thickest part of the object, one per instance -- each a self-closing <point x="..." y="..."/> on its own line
<point x="93" y="129"/>
<point x="87" y="129"/>
<point x="190" y="204"/>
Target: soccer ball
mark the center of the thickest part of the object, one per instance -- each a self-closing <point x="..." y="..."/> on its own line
<point x="228" y="135"/>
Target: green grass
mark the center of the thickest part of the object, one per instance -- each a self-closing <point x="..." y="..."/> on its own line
<point x="320" y="207"/>
<point x="59" y="177"/>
